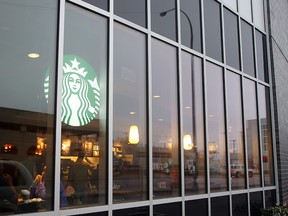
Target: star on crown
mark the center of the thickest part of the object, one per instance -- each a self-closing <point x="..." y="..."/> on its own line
<point x="74" y="68"/>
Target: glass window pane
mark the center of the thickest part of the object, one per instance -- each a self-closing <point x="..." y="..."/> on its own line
<point x="141" y="211"/>
<point x="213" y="35"/>
<point x="191" y="31"/>
<point x="163" y="18"/>
<point x="198" y="207"/>
<point x="26" y="106"/>
<point x="270" y="198"/>
<point x="258" y="14"/>
<point x="256" y="203"/>
<point x="245" y="9"/>
<point x="103" y="4"/>
<point x="193" y="128"/>
<point x="231" y="39"/>
<point x="129" y="112"/>
<point x="231" y="3"/>
<point x="247" y="49"/>
<point x="252" y="133"/>
<point x="170" y="209"/>
<point x="261" y="57"/>
<point x="239" y="205"/>
<point x="83" y="149"/>
<point x="94" y="214"/>
<point x="266" y="139"/>
<point x="134" y="11"/>
<point x="165" y="121"/>
<point x="235" y="131"/>
<point x="220" y="206"/>
<point x="216" y="128"/>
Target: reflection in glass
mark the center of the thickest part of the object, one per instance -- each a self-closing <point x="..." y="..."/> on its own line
<point x="194" y="156"/>
<point x="258" y="14"/>
<point x="231" y="39"/>
<point x="270" y="198"/>
<point x="198" y="207"/>
<point x="251" y="130"/>
<point x="83" y="143"/>
<point x="191" y="31"/>
<point x="239" y="205"/>
<point x="247" y="49"/>
<point x="266" y="139"/>
<point x="27" y="118"/>
<point x="134" y="11"/>
<point x="256" y="203"/>
<point x="163" y="18"/>
<point x="220" y="206"/>
<point x="27" y="115"/>
<point x="235" y="131"/>
<point x="170" y="209"/>
<point x="103" y="4"/>
<point x="140" y="211"/>
<point x="213" y="35"/>
<point x="129" y="123"/>
<point x="216" y="128"/>
<point x="164" y="121"/>
<point x="231" y="3"/>
<point x="245" y="9"/>
<point x="261" y="57"/>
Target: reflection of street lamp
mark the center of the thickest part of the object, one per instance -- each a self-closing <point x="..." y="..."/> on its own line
<point x="162" y="14"/>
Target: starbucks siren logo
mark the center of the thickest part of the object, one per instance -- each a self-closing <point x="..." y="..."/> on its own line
<point x="80" y="92"/>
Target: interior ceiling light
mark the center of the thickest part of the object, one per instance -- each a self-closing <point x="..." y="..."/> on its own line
<point x="156" y="96"/>
<point x="33" y="55"/>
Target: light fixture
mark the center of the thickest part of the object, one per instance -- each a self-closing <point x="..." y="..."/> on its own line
<point x="187" y="142"/>
<point x="133" y="135"/>
<point x="33" y="55"/>
<point x="66" y="144"/>
<point x="156" y="96"/>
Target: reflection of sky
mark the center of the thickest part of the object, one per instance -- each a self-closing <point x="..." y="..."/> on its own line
<point x="164" y="84"/>
<point x="26" y="27"/>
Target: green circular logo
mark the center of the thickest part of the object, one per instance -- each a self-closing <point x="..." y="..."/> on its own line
<point x="80" y="91"/>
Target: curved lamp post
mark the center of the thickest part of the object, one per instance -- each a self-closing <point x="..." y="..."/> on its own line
<point x="164" y="13"/>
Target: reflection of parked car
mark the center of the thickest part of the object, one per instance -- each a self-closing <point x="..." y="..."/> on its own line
<point x="238" y="170"/>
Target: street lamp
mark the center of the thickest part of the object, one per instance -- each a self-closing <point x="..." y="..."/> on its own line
<point x="164" y="13"/>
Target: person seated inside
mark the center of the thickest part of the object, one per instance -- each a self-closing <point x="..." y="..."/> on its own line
<point x="8" y="193"/>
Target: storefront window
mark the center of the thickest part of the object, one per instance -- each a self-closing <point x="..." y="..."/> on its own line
<point x="216" y="128"/>
<point x="266" y="139"/>
<point x="261" y="56"/>
<point x="213" y="35"/>
<point x="239" y="205"/>
<point x="134" y="11"/>
<point x="256" y="203"/>
<point x="191" y="31"/>
<point x="193" y="125"/>
<point x="27" y="115"/>
<point x="252" y="140"/>
<point x="83" y="116"/>
<point x="231" y="39"/>
<point x="103" y="4"/>
<point x="244" y="7"/>
<point x="129" y="116"/>
<point x="235" y="131"/>
<point x="220" y="206"/>
<point x="247" y="49"/>
<point x="165" y="121"/>
<point x="163" y="18"/>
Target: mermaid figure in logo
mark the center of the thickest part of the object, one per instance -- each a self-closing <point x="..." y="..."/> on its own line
<point x="75" y="102"/>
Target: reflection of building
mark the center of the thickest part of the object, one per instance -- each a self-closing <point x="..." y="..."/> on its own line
<point x="140" y="62"/>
